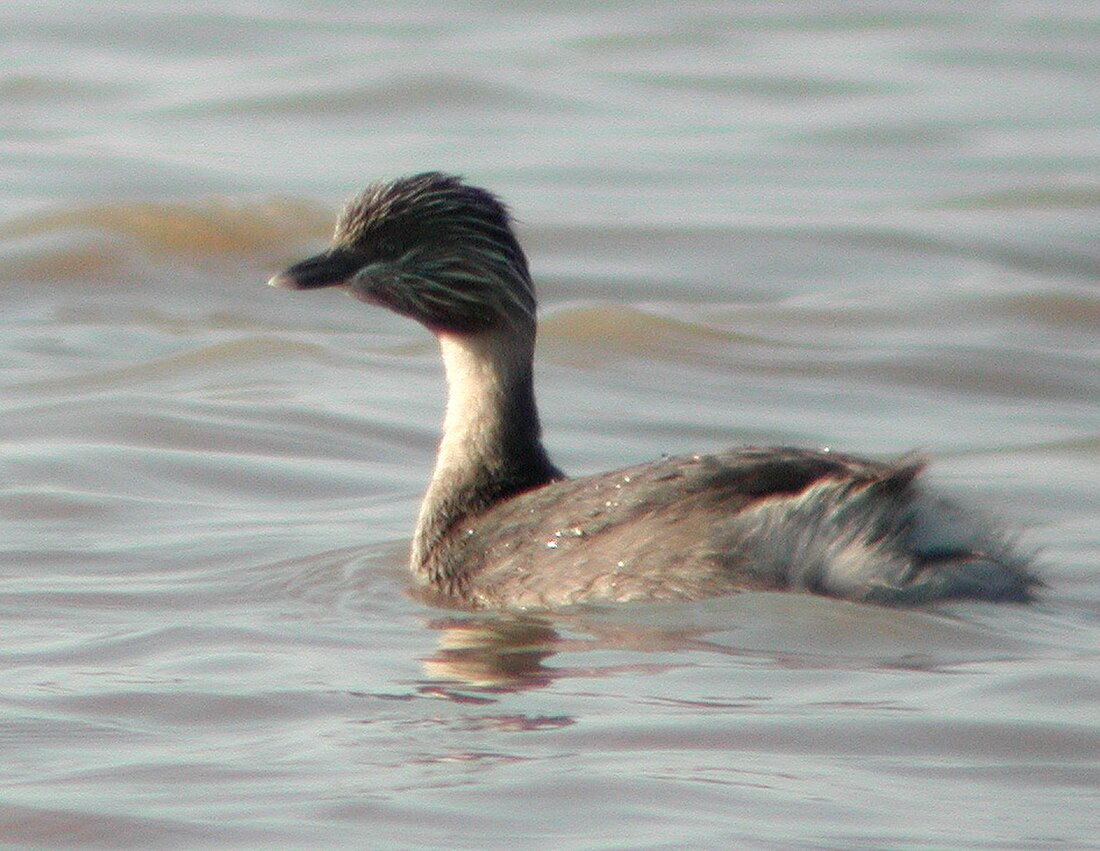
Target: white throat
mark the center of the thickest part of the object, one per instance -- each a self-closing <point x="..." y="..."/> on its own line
<point x="489" y="400"/>
<point x="484" y="374"/>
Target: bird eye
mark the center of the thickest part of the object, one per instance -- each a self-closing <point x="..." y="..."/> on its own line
<point x="389" y="247"/>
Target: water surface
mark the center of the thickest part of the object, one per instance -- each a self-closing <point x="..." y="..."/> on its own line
<point x="872" y="227"/>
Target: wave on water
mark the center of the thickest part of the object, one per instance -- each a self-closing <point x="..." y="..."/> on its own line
<point x="578" y="333"/>
<point x="406" y="95"/>
<point x="109" y="242"/>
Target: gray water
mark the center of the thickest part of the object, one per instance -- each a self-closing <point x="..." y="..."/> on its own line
<point x="871" y="226"/>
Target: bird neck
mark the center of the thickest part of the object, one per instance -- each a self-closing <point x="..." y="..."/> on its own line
<point x="491" y="446"/>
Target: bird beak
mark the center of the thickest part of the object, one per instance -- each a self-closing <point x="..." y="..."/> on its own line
<point x="330" y="268"/>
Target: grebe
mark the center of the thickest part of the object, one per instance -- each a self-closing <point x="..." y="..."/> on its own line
<point x="502" y="527"/>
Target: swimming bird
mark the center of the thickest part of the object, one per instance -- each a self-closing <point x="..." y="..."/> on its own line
<point x="502" y="527"/>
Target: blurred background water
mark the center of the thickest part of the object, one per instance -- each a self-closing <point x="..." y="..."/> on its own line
<point x="867" y="225"/>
